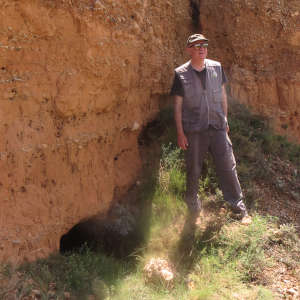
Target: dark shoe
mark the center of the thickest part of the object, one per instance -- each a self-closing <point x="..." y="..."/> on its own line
<point x="241" y="210"/>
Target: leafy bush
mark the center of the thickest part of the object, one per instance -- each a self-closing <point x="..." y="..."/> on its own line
<point x="253" y="135"/>
<point x="172" y="157"/>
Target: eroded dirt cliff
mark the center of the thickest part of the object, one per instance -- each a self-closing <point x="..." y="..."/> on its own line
<point x="78" y="81"/>
<point x="258" y="41"/>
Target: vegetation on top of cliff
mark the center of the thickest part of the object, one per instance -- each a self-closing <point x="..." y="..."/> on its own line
<point x="219" y="258"/>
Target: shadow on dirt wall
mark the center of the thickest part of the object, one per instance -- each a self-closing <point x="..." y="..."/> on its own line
<point x="124" y="230"/>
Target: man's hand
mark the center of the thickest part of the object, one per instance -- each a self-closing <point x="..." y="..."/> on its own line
<point x="227" y="128"/>
<point x="182" y="141"/>
<point x="181" y="138"/>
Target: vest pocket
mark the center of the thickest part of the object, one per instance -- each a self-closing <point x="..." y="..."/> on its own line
<point x="189" y="90"/>
<point x="190" y="102"/>
<point x="217" y="96"/>
<point x="190" y="99"/>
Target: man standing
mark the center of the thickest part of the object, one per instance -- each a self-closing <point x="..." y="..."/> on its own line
<point x="200" y="111"/>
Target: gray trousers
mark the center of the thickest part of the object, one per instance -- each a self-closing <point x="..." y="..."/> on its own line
<point x="219" y="145"/>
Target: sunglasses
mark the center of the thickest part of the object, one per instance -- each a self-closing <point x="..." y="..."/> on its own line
<point x="198" y="46"/>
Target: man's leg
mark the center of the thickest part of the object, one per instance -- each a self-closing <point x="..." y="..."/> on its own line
<point x="221" y="150"/>
<point x="198" y="147"/>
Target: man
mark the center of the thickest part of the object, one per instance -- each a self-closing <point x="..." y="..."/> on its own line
<point x="200" y="112"/>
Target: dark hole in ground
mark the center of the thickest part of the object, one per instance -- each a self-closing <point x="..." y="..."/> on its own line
<point x="125" y="229"/>
<point x="120" y="233"/>
<point x="156" y="128"/>
<point x="153" y="130"/>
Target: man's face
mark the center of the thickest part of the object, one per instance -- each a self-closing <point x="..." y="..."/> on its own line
<point x="197" y="50"/>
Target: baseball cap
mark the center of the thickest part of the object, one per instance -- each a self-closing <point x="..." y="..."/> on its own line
<point x="196" y="37"/>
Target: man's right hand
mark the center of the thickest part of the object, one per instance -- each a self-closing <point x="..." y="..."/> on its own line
<point x="182" y="141"/>
<point x="181" y="138"/>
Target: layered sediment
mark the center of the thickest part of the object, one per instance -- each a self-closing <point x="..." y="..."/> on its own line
<point x="78" y="81"/>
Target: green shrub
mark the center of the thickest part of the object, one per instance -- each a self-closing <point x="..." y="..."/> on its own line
<point x="172" y="157"/>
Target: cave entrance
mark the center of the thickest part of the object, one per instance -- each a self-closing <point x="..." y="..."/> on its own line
<point x="120" y="233"/>
<point x="124" y="229"/>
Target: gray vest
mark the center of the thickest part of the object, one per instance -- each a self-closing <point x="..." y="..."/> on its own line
<point x="202" y="107"/>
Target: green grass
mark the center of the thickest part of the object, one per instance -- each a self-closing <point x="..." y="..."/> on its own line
<point x="221" y="260"/>
<point x="254" y="134"/>
<point x="79" y="272"/>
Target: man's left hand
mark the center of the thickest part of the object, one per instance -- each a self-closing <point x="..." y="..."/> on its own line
<point x="227" y="128"/>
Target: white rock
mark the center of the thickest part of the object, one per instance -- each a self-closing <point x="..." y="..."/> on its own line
<point x="292" y="291"/>
<point x="167" y="275"/>
<point x="135" y="126"/>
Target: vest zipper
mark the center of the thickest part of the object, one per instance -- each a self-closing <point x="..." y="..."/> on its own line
<point x="207" y="108"/>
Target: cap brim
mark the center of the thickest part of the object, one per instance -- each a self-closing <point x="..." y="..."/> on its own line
<point x="196" y="40"/>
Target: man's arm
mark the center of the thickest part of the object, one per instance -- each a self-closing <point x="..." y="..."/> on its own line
<point x="225" y="104"/>
<point x="181" y="138"/>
